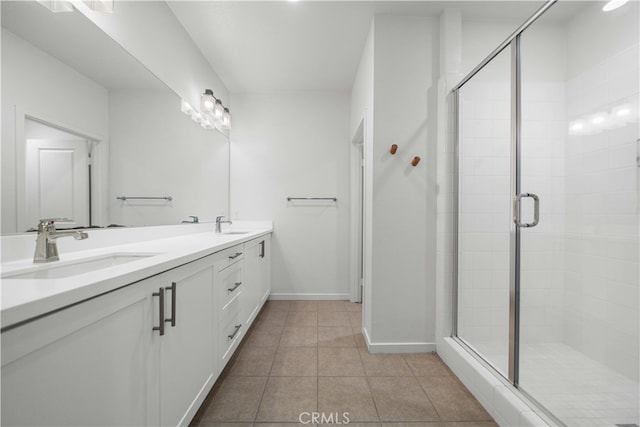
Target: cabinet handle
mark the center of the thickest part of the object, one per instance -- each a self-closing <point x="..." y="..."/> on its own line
<point x="172" y="319"/>
<point x="235" y="332"/>
<point x="235" y="286"/>
<point x="237" y="254"/>
<point x="160" y="295"/>
<point x="262" y="249"/>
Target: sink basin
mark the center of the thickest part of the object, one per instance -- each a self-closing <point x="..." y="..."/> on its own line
<point x="56" y="270"/>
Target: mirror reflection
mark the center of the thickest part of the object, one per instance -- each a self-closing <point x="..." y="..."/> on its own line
<point x="84" y="124"/>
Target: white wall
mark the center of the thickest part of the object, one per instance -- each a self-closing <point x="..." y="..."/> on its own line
<point x="164" y="46"/>
<point x="296" y="145"/>
<point x="402" y="281"/>
<point x="36" y="84"/>
<point x="158" y="151"/>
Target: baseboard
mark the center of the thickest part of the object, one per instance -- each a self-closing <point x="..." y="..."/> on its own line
<point x="283" y="296"/>
<point x="405" y="347"/>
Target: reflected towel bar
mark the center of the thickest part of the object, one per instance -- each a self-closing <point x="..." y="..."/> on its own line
<point x="123" y="198"/>
<point x="334" y="199"/>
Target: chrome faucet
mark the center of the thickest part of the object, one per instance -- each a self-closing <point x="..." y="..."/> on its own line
<point x="194" y="220"/>
<point x="219" y="221"/>
<point x="46" y="245"/>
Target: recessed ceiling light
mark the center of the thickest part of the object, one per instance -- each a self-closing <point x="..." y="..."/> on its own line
<point x="613" y="4"/>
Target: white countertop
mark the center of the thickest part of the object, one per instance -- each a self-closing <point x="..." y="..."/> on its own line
<point x="26" y="298"/>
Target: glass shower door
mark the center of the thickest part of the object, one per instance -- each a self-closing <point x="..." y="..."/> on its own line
<point x="484" y="211"/>
<point x="579" y="304"/>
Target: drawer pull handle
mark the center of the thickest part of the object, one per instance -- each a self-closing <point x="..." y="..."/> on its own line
<point x="172" y="319"/>
<point x="235" y="332"/>
<point x="235" y="286"/>
<point x="237" y="254"/>
<point x="160" y="295"/>
<point x="261" y="249"/>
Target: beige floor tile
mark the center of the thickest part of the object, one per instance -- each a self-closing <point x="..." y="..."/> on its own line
<point x="360" y="341"/>
<point x="331" y="306"/>
<point x="202" y="423"/>
<point x="384" y="365"/>
<point x="286" y="397"/>
<point x="346" y="396"/>
<point x="469" y="424"/>
<point x="333" y="318"/>
<point x="335" y="336"/>
<point x="264" y="336"/>
<point x="277" y="305"/>
<point x="253" y="361"/>
<point x="452" y="400"/>
<point x="339" y="361"/>
<point x="426" y="364"/>
<point x="295" y="362"/>
<point x="236" y="399"/>
<point x="353" y="306"/>
<point x="355" y="318"/>
<point x="273" y="317"/>
<point x="303" y="306"/>
<point x="299" y="337"/>
<point x="302" y="318"/>
<point x="401" y="399"/>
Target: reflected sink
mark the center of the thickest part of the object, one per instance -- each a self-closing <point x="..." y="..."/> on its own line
<point x="73" y="268"/>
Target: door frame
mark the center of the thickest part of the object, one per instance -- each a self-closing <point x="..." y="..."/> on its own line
<point x="99" y="166"/>
<point x="512" y="43"/>
<point x="357" y="235"/>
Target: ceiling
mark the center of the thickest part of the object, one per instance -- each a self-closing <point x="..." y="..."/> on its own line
<point x="276" y="46"/>
<point x="76" y="41"/>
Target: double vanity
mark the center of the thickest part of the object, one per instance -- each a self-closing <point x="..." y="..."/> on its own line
<point x="131" y="326"/>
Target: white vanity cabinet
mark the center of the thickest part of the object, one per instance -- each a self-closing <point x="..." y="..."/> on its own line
<point x="186" y="350"/>
<point x="91" y="364"/>
<point x="231" y="288"/>
<point x="257" y="274"/>
<point x="104" y="362"/>
<point x="144" y="354"/>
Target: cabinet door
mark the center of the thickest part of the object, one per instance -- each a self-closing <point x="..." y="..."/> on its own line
<point x="186" y="349"/>
<point x="252" y="287"/>
<point x="265" y="269"/>
<point x="88" y="365"/>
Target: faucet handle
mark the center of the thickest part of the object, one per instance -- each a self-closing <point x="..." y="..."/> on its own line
<point x="195" y="218"/>
<point x="219" y="218"/>
<point x="52" y="220"/>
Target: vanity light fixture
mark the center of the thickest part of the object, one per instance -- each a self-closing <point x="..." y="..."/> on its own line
<point x="226" y="119"/>
<point x="212" y="114"/>
<point x="207" y="101"/>
<point x="613" y="4"/>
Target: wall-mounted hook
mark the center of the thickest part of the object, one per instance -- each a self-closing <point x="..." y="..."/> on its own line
<point x="415" y="161"/>
<point x="393" y="149"/>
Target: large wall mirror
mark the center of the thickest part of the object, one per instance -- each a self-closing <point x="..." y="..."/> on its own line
<point x="84" y="124"/>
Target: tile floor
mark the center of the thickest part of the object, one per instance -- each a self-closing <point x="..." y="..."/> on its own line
<point x="310" y="356"/>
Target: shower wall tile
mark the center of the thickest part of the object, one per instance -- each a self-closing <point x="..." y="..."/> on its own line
<point x="601" y="256"/>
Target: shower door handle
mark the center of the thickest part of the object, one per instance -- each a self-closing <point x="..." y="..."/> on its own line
<point x="536" y="210"/>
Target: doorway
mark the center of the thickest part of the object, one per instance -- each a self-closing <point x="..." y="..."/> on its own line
<point x="357" y="214"/>
<point x="57" y="175"/>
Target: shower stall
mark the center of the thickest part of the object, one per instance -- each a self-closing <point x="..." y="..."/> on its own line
<point x="546" y="274"/>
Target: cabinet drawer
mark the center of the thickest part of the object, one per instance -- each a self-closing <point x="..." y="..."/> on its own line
<point x="230" y="286"/>
<point x="231" y="333"/>
<point x="231" y="256"/>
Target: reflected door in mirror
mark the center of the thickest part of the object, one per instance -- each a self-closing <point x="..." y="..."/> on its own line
<point x="57" y="180"/>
